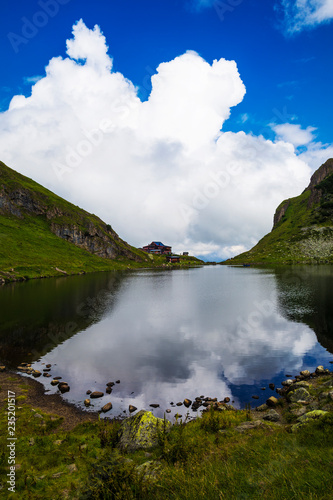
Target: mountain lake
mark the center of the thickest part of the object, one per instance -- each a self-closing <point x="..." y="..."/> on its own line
<point x="213" y="331"/>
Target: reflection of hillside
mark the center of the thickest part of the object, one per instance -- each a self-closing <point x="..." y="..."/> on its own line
<point x="305" y="294"/>
<point x="38" y="315"/>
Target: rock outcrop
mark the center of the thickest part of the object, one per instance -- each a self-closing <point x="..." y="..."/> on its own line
<point x="302" y="227"/>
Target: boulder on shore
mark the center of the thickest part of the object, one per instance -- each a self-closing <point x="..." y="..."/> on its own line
<point x="272" y="401"/>
<point x="299" y="394"/>
<point x="142" y="431"/>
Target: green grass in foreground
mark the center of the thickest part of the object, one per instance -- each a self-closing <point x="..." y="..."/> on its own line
<point x="205" y="459"/>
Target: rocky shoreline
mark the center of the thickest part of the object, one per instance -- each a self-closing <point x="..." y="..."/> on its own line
<point x="302" y="395"/>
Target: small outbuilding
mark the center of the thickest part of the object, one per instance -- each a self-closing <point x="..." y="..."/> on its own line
<point x="173" y="258"/>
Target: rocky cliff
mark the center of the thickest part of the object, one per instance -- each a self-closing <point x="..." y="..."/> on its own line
<point x="22" y="198"/>
<point x="302" y="226"/>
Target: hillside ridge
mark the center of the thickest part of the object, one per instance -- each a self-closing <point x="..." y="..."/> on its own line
<point x="22" y="197"/>
<point x="42" y="234"/>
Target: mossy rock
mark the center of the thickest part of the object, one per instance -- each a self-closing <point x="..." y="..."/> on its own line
<point x="142" y="431"/>
<point x="308" y="417"/>
<point x="149" y="471"/>
<point x="312" y="415"/>
<point x="299" y="394"/>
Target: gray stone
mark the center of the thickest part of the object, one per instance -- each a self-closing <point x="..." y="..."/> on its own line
<point x="56" y="475"/>
<point x="302" y="383"/>
<point x="247" y="426"/>
<point x="299" y="394"/>
<point x="141" y="431"/>
<point x="262" y="407"/>
<point x="287" y="383"/>
<point x="298" y="412"/>
<point x="272" y="416"/>
<point x="72" y="468"/>
<point x="305" y="373"/>
<point x="320" y="370"/>
<point x="312" y="406"/>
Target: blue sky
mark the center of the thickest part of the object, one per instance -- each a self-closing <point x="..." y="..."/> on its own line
<point x="283" y="55"/>
<point x="290" y="73"/>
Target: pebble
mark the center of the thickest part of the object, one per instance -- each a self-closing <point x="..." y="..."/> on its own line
<point x="107" y="407"/>
<point x="96" y="394"/>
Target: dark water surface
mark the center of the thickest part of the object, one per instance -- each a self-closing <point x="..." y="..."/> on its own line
<point x="214" y="331"/>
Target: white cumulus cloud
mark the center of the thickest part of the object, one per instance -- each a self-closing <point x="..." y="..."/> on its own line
<point x="161" y="169"/>
<point x="302" y="14"/>
<point x="294" y="133"/>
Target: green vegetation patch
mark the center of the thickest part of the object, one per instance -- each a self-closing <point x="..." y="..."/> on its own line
<point x="204" y="458"/>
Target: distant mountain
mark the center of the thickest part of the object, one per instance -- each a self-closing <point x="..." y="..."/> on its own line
<point x="302" y="229"/>
<point x="42" y="234"/>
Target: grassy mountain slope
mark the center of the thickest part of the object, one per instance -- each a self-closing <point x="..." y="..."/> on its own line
<point x="43" y="235"/>
<point x="303" y="227"/>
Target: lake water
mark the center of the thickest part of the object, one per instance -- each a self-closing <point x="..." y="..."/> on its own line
<point x="215" y="331"/>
